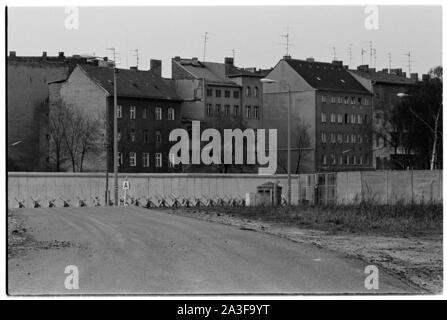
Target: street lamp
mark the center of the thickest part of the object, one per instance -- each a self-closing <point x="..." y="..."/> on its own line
<point x="289" y="183"/>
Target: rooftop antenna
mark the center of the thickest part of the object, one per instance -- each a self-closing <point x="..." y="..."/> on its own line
<point x="409" y="62"/>
<point x="350" y="54"/>
<point x="114" y="53"/>
<point x="288" y="44"/>
<point x="234" y="54"/>
<point x="370" y="52"/>
<point x="389" y="62"/>
<point x="362" y="53"/>
<point x="137" y="56"/>
<point x="375" y="57"/>
<point x="334" y="53"/>
<point x="205" y="40"/>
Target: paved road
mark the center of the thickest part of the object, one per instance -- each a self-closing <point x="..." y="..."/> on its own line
<point x="134" y="251"/>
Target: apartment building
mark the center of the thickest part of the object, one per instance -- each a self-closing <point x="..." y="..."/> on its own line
<point x="330" y="110"/>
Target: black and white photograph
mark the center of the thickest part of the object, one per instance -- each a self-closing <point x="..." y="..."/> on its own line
<point x="223" y="150"/>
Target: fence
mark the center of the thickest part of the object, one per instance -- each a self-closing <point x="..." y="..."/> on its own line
<point x="342" y="187"/>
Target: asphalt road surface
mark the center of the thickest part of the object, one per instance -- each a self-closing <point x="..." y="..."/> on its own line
<point x="130" y="250"/>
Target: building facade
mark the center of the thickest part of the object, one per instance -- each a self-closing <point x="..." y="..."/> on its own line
<point x="330" y="116"/>
<point x="147" y="109"/>
<point x="213" y="90"/>
<point x="385" y="86"/>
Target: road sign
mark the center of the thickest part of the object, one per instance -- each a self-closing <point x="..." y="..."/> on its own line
<point x="126" y="185"/>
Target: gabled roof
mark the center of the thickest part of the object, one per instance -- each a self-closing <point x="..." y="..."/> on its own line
<point x="217" y="73"/>
<point x="383" y="77"/>
<point x="132" y="83"/>
<point x="326" y="76"/>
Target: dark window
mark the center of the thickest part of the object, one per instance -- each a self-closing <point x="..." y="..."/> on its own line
<point x="227" y="93"/>
<point x="218" y="93"/>
<point x="236" y="94"/>
<point x="209" y="92"/>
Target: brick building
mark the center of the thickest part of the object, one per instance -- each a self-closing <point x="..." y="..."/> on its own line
<point x="385" y="85"/>
<point x="27" y="97"/>
<point x="148" y="109"/>
<point x="210" y="90"/>
<point x="330" y="109"/>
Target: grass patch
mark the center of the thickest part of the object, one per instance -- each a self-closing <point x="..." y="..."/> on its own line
<point x="364" y="218"/>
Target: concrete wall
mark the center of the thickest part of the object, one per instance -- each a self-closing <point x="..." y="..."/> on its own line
<point x="381" y="186"/>
<point x="389" y="187"/>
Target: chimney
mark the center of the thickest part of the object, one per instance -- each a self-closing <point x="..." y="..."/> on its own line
<point x="44" y="54"/>
<point x="425" y="77"/>
<point x="363" y="68"/>
<point x="155" y="67"/>
<point x="177" y="58"/>
<point x="404" y="74"/>
<point x="133" y="68"/>
<point x="396" y="72"/>
<point x="371" y="69"/>
<point x="61" y="54"/>
<point x="229" y="61"/>
<point x="310" y="59"/>
<point x="195" y="60"/>
<point x="287" y="57"/>
<point x="414" y="76"/>
<point x="12" y="54"/>
<point x="337" y="62"/>
<point x="385" y="70"/>
<point x="105" y="59"/>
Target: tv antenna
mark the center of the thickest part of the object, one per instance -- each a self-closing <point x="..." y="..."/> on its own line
<point x="136" y="54"/>
<point x="334" y="53"/>
<point x="389" y="62"/>
<point x="205" y="40"/>
<point x="115" y="54"/>
<point x="350" y="54"/>
<point x="363" y="53"/>
<point x="409" y="62"/>
<point x="288" y="44"/>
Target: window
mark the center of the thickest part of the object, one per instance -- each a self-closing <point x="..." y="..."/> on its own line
<point x="323" y="137"/>
<point x="248" y="112"/>
<point x="132" y="135"/>
<point x="120" y="158"/>
<point x="236" y="94"/>
<point x="170" y="113"/>
<point x="248" y="92"/>
<point x="340" y="160"/>
<point x="359" y="138"/>
<point x="145" y="113"/>
<point x="346" y="159"/>
<point x="332" y="137"/>
<point x="227" y="110"/>
<point x="354" y="160"/>
<point x="346" y="100"/>
<point x="209" y="92"/>
<point x="365" y="119"/>
<point x="236" y="110"/>
<point x="340" y="118"/>
<point x="346" y="138"/>
<point x="218" y="93"/>
<point x="217" y="110"/>
<point x="360" y="160"/>
<point x="256" y="92"/>
<point x="333" y="119"/>
<point x="158" y="113"/>
<point x="158" y="160"/>
<point x="359" y="119"/>
<point x="339" y="138"/>
<point x="158" y="136"/>
<point x="366" y="102"/>
<point x="346" y="118"/>
<point x="332" y="99"/>
<point x="256" y="112"/>
<point x="323" y="98"/>
<point x="146" y="136"/>
<point x="119" y="134"/>
<point x="171" y="162"/>
<point x="209" y="109"/>
<point x="359" y="100"/>
<point x="340" y="100"/>
<point x="353" y="138"/>
<point x="145" y="159"/>
<point x="132" y="112"/>
<point x="227" y="93"/>
<point x="323" y="117"/>
<point x="324" y="160"/>
<point x="353" y="100"/>
<point x="334" y="160"/>
<point x="119" y="111"/>
<point x="133" y="159"/>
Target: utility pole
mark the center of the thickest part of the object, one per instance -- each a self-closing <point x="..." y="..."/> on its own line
<point x="115" y="132"/>
<point x="205" y="40"/>
<point x="350" y="55"/>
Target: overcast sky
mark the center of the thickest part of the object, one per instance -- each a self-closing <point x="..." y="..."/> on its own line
<point x="253" y="32"/>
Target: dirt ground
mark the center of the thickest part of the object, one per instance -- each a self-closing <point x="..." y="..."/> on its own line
<point x="414" y="259"/>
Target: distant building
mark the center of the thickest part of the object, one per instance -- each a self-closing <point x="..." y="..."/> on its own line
<point x="27" y="98"/>
<point x="385" y="86"/>
<point x="331" y="114"/>
<point x="210" y="90"/>
<point x="148" y="109"/>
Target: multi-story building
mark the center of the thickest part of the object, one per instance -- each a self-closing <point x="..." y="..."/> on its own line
<point x="330" y="113"/>
<point x="385" y="86"/>
<point x="210" y="90"/>
<point x="148" y="109"/>
<point x="27" y="97"/>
